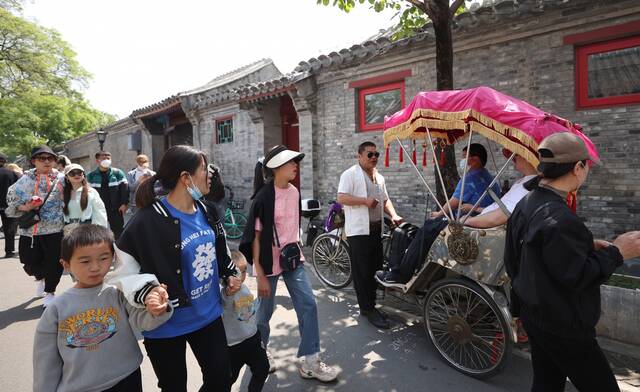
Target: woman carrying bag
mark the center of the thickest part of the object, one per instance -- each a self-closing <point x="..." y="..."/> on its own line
<point x="36" y="200"/>
<point x="180" y="241"/>
<point x="271" y="244"/>
<point x="82" y="203"/>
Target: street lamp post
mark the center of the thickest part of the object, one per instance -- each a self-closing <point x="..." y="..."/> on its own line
<point x="102" y="136"/>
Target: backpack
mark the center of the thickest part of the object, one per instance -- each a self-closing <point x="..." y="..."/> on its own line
<point x="401" y="238"/>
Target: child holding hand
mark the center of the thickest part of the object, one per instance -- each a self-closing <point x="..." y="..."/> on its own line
<point x="84" y="340"/>
<point x="243" y="338"/>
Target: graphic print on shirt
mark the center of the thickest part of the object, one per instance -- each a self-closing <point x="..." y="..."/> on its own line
<point x="203" y="264"/>
<point x="245" y="307"/>
<point x="90" y="328"/>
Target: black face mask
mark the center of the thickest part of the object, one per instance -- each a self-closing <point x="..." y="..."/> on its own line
<point x="216" y="192"/>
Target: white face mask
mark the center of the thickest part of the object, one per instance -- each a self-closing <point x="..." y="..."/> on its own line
<point x="105" y="163"/>
<point x="462" y="164"/>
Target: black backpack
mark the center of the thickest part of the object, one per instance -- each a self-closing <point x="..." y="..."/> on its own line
<point x="400" y="240"/>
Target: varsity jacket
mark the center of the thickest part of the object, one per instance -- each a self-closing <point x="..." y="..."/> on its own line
<point x="118" y="187"/>
<point x="149" y="249"/>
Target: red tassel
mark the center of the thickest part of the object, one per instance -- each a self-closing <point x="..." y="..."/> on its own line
<point x="442" y="161"/>
<point x="386" y="157"/>
<point x="424" y="155"/>
<point x="401" y="155"/>
<point x="413" y="153"/>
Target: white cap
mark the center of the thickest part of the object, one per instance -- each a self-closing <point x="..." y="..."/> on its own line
<point x="73" y="166"/>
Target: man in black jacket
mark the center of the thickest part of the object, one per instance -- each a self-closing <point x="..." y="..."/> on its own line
<point x="556" y="268"/>
<point x="7" y="178"/>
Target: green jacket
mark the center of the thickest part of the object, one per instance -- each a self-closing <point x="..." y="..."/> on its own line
<point x="117" y="193"/>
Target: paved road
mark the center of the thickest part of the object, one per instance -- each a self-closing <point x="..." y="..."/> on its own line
<point x="400" y="359"/>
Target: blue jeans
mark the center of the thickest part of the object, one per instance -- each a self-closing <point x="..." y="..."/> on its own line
<point x="304" y="304"/>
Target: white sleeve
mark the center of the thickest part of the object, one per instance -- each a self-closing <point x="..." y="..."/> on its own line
<point x="98" y="212"/>
<point x="346" y="183"/>
<point x="127" y="278"/>
<point x="515" y="194"/>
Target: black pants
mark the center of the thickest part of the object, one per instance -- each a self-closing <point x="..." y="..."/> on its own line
<point x="9" y="227"/>
<point x="131" y="383"/>
<point x="40" y="256"/>
<point x="554" y="359"/>
<point x="366" y="259"/>
<point x="209" y="345"/>
<point x="251" y="353"/>
<point x="116" y="222"/>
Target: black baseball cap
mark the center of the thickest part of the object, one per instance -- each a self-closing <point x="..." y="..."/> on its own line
<point x="42" y="150"/>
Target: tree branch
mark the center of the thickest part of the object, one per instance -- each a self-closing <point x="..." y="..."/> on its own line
<point x="454" y="7"/>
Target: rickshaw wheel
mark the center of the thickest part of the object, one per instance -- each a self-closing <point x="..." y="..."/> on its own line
<point x="331" y="260"/>
<point x="467" y="328"/>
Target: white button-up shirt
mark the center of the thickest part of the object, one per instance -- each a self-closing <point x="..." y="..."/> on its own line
<point x="352" y="182"/>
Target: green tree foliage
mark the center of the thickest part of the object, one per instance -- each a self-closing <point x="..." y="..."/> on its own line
<point x="39" y="82"/>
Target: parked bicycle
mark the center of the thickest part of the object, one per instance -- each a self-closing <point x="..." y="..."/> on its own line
<point x="330" y="252"/>
<point x="234" y="220"/>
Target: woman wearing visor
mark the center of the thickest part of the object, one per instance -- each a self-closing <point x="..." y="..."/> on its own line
<point x="271" y="244"/>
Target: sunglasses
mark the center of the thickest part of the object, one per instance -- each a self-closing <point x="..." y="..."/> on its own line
<point x="75" y="173"/>
<point x="45" y="158"/>
<point x="372" y="154"/>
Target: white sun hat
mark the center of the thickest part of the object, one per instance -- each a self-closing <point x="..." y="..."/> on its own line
<point x="280" y="155"/>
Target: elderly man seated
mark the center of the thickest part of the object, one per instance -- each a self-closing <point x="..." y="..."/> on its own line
<point x="494" y="215"/>
<point x="476" y="182"/>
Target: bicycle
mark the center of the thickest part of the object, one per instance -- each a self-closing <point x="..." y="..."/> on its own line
<point x="330" y="251"/>
<point x="234" y="221"/>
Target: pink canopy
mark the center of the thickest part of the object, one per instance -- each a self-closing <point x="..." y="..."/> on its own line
<point x="450" y="115"/>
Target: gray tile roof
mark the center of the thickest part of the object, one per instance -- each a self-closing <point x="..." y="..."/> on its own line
<point x="231" y="76"/>
<point x="490" y="11"/>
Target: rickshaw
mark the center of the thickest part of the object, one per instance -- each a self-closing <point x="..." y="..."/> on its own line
<point x="462" y="286"/>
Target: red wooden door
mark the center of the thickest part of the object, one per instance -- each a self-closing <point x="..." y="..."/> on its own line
<point x="290" y="132"/>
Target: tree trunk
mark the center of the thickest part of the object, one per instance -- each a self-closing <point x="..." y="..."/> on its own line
<point x="440" y="15"/>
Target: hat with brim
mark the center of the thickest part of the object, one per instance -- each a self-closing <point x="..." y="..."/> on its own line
<point x="73" y="166"/>
<point x="280" y="155"/>
<point x="42" y="150"/>
<point x="563" y="148"/>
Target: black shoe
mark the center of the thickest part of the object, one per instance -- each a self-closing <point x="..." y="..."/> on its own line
<point x="383" y="314"/>
<point x="9" y="255"/>
<point x="376" y="319"/>
<point x="387" y="279"/>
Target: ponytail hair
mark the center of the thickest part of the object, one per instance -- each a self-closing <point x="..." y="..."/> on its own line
<point x="177" y="160"/>
<point x="261" y="176"/>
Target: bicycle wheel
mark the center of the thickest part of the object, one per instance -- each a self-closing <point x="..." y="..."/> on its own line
<point x="234" y="223"/>
<point x="467" y="328"/>
<point x="331" y="260"/>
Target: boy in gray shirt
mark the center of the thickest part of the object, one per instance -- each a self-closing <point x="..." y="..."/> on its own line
<point x="243" y="338"/>
<point x="84" y="340"/>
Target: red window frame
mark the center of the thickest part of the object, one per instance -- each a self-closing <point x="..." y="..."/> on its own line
<point x="582" y="74"/>
<point x="215" y="127"/>
<point x="374" y="90"/>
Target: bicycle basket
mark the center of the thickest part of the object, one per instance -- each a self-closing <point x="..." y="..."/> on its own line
<point x="235" y="204"/>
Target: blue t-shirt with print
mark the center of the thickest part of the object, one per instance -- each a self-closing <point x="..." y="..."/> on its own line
<point x="199" y="277"/>
<point x="475" y="184"/>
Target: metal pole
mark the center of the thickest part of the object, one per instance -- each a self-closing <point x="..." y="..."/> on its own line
<point x="420" y="175"/>
<point x="464" y="174"/>
<point x="446" y="196"/>
<point x="489" y="187"/>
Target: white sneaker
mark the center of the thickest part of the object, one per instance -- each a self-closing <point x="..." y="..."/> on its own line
<point x="272" y="362"/>
<point x="318" y="370"/>
<point x="48" y="298"/>
<point x="40" y="288"/>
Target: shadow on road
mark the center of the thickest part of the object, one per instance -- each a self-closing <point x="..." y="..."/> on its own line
<point x="20" y="313"/>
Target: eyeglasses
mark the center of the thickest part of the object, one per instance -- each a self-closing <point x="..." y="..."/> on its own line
<point x="75" y="173"/>
<point x="372" y="154"/>
<point x="44" y="158"/>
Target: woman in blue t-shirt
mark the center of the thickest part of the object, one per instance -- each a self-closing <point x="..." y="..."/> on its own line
<point x="180" y="240"/>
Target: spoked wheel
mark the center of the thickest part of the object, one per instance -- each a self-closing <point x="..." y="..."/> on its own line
<point x="467" y="328"/>
<point x="234" y="223"/>
<point x="330" y="256"/>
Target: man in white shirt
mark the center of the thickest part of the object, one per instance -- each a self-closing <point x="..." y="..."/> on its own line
<point x="493" y="215"/>
<point x="363" y="194"/>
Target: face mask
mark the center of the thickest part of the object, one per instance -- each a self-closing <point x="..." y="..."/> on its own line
<point x="194" y="191"/>
<point x="106" y="163"/>
<point x="462" y="164"/>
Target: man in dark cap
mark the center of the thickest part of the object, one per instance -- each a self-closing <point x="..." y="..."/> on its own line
<point x="7" y="178"/>
<point x="556" y="269"/>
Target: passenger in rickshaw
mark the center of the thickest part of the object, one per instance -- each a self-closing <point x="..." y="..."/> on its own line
<point x="476" y="182"/>
<point x="496" y="214"/>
